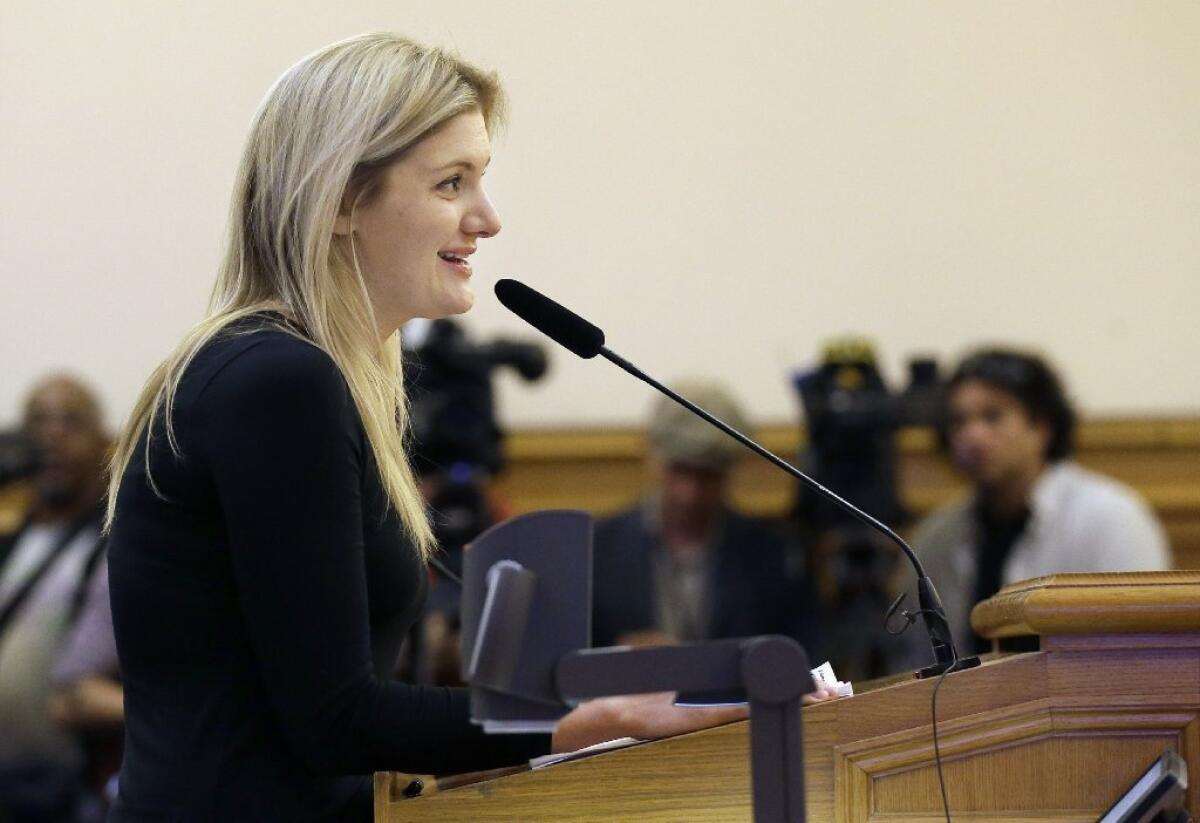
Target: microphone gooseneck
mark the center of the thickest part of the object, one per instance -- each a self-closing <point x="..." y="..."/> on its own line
<point x="570" y="330"/>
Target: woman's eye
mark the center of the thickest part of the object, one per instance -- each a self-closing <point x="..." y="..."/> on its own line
<point x="452" y="184"/>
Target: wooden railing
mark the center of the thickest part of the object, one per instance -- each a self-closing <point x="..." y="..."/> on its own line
<point x="602" y="470"/>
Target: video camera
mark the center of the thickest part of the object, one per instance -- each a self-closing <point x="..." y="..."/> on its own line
<point x="457" y="442"/>
<point x="451" y="401"/>
<point x="852" y="419"/>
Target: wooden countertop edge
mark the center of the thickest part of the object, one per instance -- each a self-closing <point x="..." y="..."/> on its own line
<point x="1085" y="604"/>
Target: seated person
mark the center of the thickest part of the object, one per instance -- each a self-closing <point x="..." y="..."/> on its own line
<point x="86" y="675"/>
<point x="1031" y="511"/>
<point x="46" y="567"/>
<point x="681" y="565"/>
<point x="88" y="698"/>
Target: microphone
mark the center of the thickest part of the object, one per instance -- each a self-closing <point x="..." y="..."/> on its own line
<point x="557" y="322"/>
<point x="571" y="331"/>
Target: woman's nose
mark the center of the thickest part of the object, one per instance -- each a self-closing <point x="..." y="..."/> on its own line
<point x="483" y="220"/>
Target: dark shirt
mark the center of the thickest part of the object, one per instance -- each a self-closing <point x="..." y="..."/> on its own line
<point x="750" y="588"/>
<point x="996" y="536"/>
<point x="260" y="606"/>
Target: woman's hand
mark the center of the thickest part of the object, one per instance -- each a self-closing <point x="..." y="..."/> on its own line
<point x="641" y="716"/>
<point x="647" y="717"/>
<point x="824" y="692"/>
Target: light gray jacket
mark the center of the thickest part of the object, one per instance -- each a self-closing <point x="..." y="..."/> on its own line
<point x="1079" y="521"/>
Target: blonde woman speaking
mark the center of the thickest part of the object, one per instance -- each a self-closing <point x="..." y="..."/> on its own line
<point x="268" y="540"/>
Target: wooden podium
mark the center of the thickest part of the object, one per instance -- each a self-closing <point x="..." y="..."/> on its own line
<point x="1055" y="734"/>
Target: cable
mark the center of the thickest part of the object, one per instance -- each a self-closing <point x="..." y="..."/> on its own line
<point x="937" y="752"/>
<point x="440" y="566"/>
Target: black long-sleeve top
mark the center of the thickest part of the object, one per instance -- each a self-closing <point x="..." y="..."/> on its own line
<point x="260" y="606"/>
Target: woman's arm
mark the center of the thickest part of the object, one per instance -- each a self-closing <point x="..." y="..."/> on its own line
<point x="647" y="717"/>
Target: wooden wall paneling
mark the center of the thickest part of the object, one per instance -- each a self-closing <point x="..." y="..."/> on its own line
<point x="602" y="471"/>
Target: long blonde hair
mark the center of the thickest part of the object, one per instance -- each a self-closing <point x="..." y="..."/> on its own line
<point x="330" y="125"/>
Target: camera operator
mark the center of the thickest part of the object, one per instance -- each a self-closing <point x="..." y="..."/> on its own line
<point x="851" y="420"/>
<point x="457" y="450"/>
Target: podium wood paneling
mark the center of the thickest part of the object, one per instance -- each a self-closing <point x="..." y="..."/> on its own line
<point x="1052" y="735"/>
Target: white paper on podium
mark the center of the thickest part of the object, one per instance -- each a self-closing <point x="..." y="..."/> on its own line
<point x="824" y="674"/>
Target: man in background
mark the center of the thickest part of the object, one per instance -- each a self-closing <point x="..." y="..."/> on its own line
<point x="682" y="565"/>
<point x="1031" y="511"/>
<point x="46" y="569"/>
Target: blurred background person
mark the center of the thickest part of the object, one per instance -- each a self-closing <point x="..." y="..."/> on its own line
<point x="46" y="569"/>
<point x="1030" y="511"/>
<point x="681" y="565"/>
<point x="88" y="699"/>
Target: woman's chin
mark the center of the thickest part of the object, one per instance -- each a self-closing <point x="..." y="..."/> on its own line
<point x="460" y="302"/>
<point x="444" y="305"/>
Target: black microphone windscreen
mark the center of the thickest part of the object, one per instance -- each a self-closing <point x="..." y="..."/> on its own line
<point x="559" y="323"/>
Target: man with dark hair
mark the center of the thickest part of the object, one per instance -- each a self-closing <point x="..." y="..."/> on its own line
<point x="1031" y="511"/>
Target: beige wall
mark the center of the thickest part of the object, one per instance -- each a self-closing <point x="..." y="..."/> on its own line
<point x="719" y="185"/>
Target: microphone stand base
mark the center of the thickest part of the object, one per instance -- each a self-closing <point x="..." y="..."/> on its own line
<point x="938" y="669"/>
